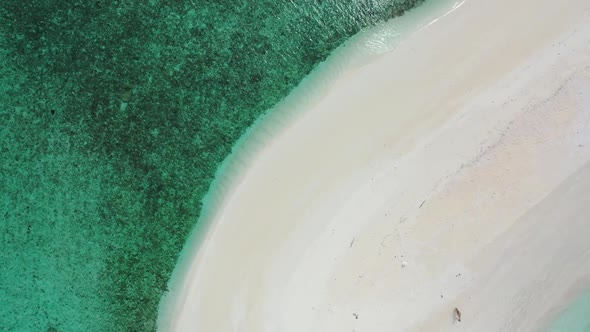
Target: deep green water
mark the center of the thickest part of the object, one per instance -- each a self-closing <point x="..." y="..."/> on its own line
<point x="114" y="117"/>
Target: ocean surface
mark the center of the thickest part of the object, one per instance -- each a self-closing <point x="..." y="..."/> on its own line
<point x="114" y="117"/>
<point x="575" y="318"/>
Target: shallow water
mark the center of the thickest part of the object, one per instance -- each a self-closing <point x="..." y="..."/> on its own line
<point x="114" y="117"/>
<point x="575" y="318"/>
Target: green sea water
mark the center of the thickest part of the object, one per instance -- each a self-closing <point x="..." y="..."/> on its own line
<point x="114" y="117"/>
<point x="575" y="318"/>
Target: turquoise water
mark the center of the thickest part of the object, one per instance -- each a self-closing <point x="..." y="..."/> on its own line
<point x="576" y="318"/>
<point x="114" y="117"/>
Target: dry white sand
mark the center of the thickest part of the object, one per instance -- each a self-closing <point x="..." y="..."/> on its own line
<point x="451" y="172"/>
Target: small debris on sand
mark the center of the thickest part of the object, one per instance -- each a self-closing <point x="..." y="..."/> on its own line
<point x="404" y="264"/>
<point x="457" y="314"/>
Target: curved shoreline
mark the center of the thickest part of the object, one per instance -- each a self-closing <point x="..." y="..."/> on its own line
<point x="314" y="233"/>
<point x="368" y="45"/>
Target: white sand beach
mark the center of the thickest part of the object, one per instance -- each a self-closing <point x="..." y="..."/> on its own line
<point x="451" y="172"/>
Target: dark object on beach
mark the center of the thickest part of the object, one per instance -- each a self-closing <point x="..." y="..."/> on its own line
<point x="457" y="314"/>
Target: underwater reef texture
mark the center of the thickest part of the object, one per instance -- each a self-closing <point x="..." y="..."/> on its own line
<point x="114" y="118"/>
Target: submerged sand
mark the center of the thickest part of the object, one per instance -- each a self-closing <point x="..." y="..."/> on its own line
<point x="451" y="172"/>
